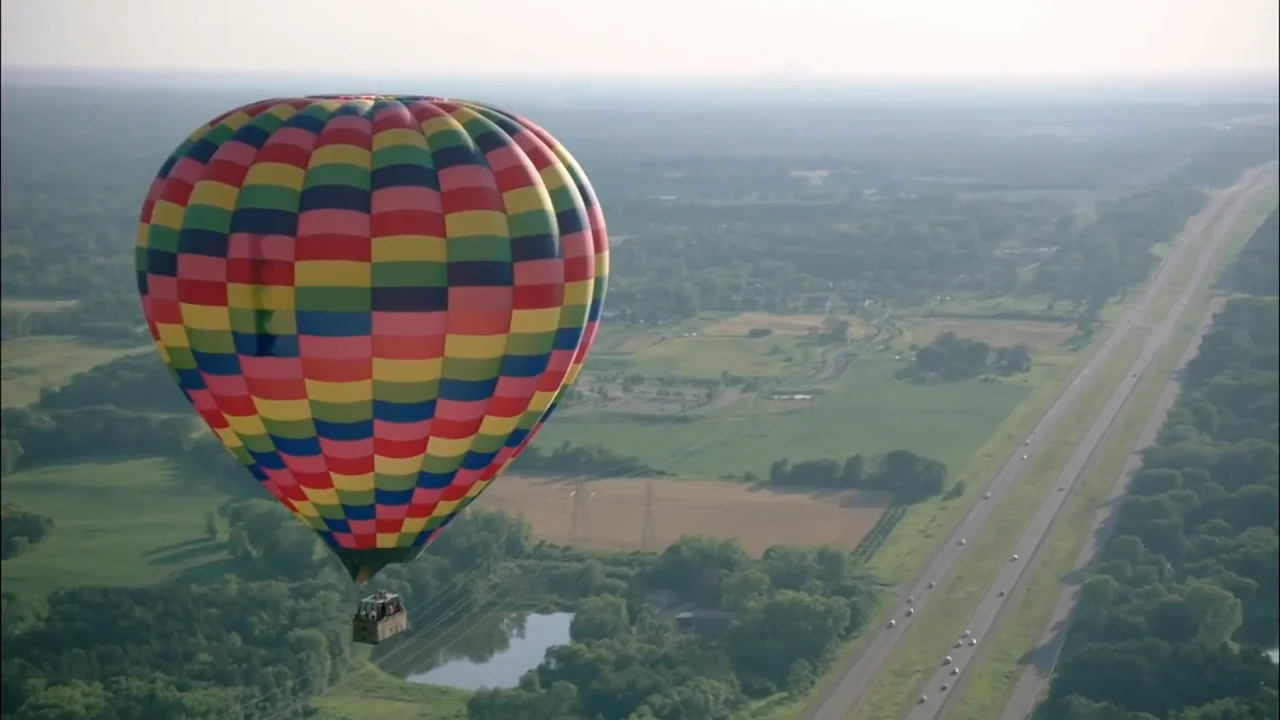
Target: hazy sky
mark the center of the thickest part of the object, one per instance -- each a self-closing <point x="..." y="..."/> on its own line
<point x="648" y="37"/>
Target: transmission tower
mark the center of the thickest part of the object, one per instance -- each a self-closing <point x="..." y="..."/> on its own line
<point x="646" y="533"/>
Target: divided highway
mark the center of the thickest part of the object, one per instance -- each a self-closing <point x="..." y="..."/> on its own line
<point x="1036" y="676"/>
<point x="843" y="698"/>
<point x="984" y="617"/>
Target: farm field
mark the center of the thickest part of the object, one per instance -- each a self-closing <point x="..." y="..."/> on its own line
<point x="28" y="365"/>
<point x="613" y="513"/>
<point x="867" y="411"/>
<point x="797" y="325"/>
<point x="368" y="693"/>
<point x="706" y="346"/>
<point x="1042" y="337"/>
<point x="117" y="523"/>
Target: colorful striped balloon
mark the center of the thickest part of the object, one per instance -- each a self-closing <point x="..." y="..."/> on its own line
<point x="374" y="302"/>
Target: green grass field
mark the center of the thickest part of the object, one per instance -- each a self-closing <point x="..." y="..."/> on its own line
<point x="708" y="357"/>
<point x="368" y="693"/>
<point x="868" y="411"/>
<point x="29" y="365"/>
<point x="117" y="523"/>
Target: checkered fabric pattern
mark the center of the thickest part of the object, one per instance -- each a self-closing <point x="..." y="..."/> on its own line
<point x="373" y="301"/>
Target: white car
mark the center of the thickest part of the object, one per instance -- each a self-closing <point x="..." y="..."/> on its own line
<point x="910" y="612"/>
<point x="1024" y="457"/>
<point x="987" y="496"/>
<point x="1013" y="559"/>
<point x="973" y="641"/>
<point x="955" y="671"/>
<point x="947" y="660"/>
<point x="893" y="623"/>
<point x="961" y="541"/>
<point x="965" y="634"/>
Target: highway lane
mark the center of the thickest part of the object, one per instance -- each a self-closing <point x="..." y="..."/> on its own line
<point x="1028" y="690"/>
<point x="996" y="599"/>
<point x="845" y="695"/>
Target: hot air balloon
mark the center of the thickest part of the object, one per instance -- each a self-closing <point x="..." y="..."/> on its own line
<point x="373" y="301"/>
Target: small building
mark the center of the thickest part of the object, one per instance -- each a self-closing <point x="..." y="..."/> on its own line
<point x="711" y="623"/>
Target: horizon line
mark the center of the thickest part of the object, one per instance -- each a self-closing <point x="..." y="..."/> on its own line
<point x="793" y="74"/>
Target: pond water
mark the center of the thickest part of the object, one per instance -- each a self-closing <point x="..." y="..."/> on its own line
<point x="488" y="650"/>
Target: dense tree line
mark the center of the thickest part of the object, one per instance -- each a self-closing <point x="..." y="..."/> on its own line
<point x="772" y="626"/>
<point x="909" y="477"/>
<point x="257" y="643"/>
<point x="1174" y="621"/>
<point x="254" y="644"/>
<point x="592" y="460"/>
<point x="1098" y="261"/>
<point x="949" y="358"/>
<point x="21" y="529"/>
<point x="714" y="220"/>
<point x="130" y="406"/>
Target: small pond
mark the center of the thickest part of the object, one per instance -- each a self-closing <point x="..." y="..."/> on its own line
<point x="488" y="650"/>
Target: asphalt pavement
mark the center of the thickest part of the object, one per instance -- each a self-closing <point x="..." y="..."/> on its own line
<point x="846" y="694"/>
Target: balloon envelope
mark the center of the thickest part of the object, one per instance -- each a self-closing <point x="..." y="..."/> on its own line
<point x="373" y="301"/>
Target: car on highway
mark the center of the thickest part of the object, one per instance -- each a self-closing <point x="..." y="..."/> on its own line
<point x="987" y="496"/>
<point x="966" y="633"/>
<point x="1024" y="457"/>
<point x="1000" y="594"/>
<point x="911" y="599"/>
<point x="892" y="623"/>
<point x="947" y="660"/>
<point x="1014" y="558"/>
<point x="973" y="642"/>
<point x="961" y="541"/>
<point x="924" y="699"/>
<point x="944" y="687"/>
<point x="910" y="612"/>
<point x="932" y="584"/>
